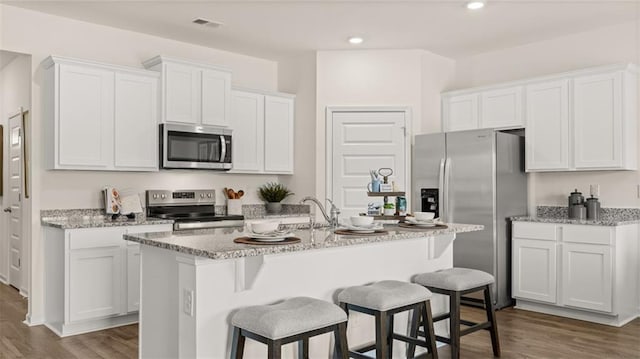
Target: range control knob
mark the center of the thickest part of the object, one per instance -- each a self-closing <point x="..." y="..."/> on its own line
<point x="201" y="195"/>
<point x="155" y="196"/>
<point x="163" y="196"/>
<point x="209" y="195"/>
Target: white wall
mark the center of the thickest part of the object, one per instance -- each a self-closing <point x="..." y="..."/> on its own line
<point x="41" y="35"/>
<point x="298" y="76"/>
<point x="613" y="44"/>
<point x="15" y="92"/>
<point x="411" y="78"/>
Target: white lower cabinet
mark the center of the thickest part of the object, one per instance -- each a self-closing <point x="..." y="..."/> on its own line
<point x="92" y="278"/>
<point x="534" y="269"/>
<point x="579" y="271"/>
<point x="587" y="276"/>
<point x="95" y="282"/>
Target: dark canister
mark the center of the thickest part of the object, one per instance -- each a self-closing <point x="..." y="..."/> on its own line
<point x="576" y="198"/>
<point x="593" y="209"/>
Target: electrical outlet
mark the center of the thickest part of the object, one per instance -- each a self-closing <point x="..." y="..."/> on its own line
<point x="594" y="190"/>
<point x="187" y="302"/>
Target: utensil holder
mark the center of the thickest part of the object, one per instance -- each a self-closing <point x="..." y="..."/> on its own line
<point x="234" y="207"/>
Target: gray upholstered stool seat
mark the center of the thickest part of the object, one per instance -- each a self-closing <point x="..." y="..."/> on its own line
<point x="290" y="317"/>
<point x="384" y="295"/>
<point x="294" y="320"/>
<point x="456" y="279"/>
<point x="383" y="300"/>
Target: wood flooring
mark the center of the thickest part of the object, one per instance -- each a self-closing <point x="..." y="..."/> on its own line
<point x="522" y="335"/>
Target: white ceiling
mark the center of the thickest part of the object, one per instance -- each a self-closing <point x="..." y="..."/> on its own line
<point x="277" y="29"/>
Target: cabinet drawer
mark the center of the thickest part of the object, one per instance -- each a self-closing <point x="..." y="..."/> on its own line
<point x="94" y="238"/>
<point x="587" y="234"/>
<point x="543" y="231"/>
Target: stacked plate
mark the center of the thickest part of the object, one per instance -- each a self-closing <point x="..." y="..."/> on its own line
<point x="422" y="223"/>
<point x="275" y="236"/>
<point x="368" y="228"/>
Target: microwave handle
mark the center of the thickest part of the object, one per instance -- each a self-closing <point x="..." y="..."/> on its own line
<point x="223" y="152"/>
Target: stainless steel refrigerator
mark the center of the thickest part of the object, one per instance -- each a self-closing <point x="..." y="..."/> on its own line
<point x="474" y="177"/>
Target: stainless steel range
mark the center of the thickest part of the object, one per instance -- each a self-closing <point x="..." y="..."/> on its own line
<point x="190" y="209"/>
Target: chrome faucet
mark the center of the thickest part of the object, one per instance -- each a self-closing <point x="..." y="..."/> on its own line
<point x="334" y="212"/>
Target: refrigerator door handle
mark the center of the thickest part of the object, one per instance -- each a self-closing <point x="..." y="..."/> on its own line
<point x="447" y="175"/>
<point x="441" y="190"/>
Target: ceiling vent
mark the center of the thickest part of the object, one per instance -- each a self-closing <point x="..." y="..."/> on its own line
<point x="207" y="22"/>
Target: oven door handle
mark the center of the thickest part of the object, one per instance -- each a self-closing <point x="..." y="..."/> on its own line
<point x="223" y="152"/>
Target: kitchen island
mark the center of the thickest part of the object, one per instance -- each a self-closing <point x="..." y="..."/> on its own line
<point x="192" y="281"/>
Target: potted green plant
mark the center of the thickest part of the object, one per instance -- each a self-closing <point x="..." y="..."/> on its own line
<point x="273" y="193"/>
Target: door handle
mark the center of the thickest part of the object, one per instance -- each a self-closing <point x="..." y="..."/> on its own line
<point x="8" y="209"/>
<point x="223" y="149"/>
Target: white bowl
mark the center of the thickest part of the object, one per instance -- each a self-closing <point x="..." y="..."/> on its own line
<point x="361" y="220"/>
<point x="264" y="226"/>
<point x="424" y="216"/>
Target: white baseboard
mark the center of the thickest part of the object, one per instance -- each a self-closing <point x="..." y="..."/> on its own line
<point x="33" y="321"/>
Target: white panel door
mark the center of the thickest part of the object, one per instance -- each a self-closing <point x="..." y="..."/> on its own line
<point x="95" y="282"/>
<point x="136" y="122"/>
<point x="85" y="117"/>
<point x="587" y="276"/>
<point x="364" y="141"/>
<point x="534" y="270"/>
<point x="502" y="108"/>
<point x="15" y="201"/>
<point x="597" y="113"/>
<point x="181" y="94"/>
<point x="216" y="97"/>
<point x="247" y="121"/>
<point x="547" y="118"/>
<point x="460" y="113"/>
<point x="278" y="134"/>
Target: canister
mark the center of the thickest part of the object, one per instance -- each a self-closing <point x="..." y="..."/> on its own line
<point x="593" y="209"/>
<point x="401" y="205"/>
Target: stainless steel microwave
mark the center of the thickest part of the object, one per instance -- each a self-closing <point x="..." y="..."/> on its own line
<point x="197" y="147"/>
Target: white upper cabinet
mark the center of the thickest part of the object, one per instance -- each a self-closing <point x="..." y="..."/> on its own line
<point x="460" y="112"/>
<point x="278" y="134"/>
<point x="501" y="108"/>
<point x="547" y="134"/>
<point x="194" y="93"/>
<point x="180" y="90"/>
<point x="216" y="97"/>
<point x="247" y="114"/>
<point x="99" y="116"/>
<point x="599" y="122"/>
<point x="136" y="122"/>
<point x="262" y="132"/>
<point x="583" y="120"/>
<point x="84" y="117"/>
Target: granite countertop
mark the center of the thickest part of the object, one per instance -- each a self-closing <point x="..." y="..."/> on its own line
<point x="218" y="243"/>
<point x="77" y="222"/>
<point x="608" y="216"/>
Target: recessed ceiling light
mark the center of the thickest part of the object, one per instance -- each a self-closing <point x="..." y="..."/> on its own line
<point x="207" y="22"/>
<point x="475" y="5"/>
<point x="355" y="40"/>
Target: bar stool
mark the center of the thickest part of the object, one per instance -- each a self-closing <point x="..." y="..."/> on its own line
<point x="455" y="283"/>
<point x="295" y="319"/>
<point x="383" y="300"/>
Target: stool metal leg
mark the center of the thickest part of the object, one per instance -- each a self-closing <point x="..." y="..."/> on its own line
<point x="454" y="323"/>
<point x="274" y="347"/>
<point x="237" y="344"/>
<point x="340" y="336"/>
<point x="303" y="348"/>
<point x="382" y="343"/>
<point x="491" y="318"/>
<point x="430" y="334"/>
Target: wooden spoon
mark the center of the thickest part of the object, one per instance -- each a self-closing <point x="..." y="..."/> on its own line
<point x="231" y="194"/>
<point x="240" y="194"/>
